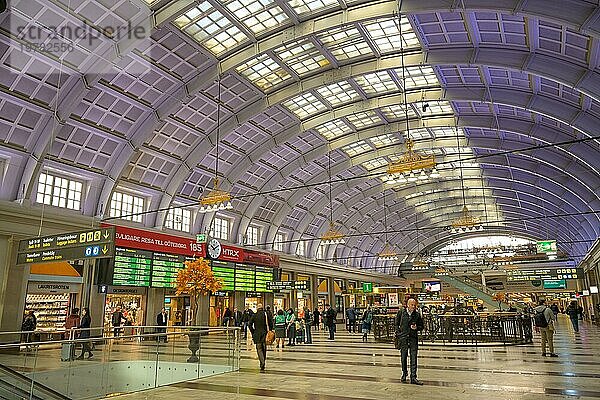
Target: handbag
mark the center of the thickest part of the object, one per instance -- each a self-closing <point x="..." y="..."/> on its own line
<point x="270" y="333"/>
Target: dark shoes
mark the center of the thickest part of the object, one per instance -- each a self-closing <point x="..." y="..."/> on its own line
<point x="90" y="356"/>
<point x="416" y="382"/>
<point x="553" y="355"/>
<point x="403" y="379"/>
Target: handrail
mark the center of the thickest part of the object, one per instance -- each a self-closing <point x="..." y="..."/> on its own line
<point x="120" y="337"/>
<point x="182" y="327"/>
<point x="30" y="381"/>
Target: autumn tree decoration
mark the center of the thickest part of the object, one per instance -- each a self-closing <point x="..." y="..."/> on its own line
<point x="499" y="297"/>
<point x="197" y="279"/>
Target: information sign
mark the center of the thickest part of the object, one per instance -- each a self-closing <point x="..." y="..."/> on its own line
<point x="95" y="243"/>
<point x="226" y="272"/>
<point x="264" y="275"/>
<point x="244" y="277"/>
<point x="165" y="268"/>
<point x="555" y="284"/>
<point x="367" y="287"/>
<point x="543" y="274"/>
<point x="132" y="267"/>
<point x="546" y="246"/>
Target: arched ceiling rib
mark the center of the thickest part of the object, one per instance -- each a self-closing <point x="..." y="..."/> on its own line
<point x="156" y="131"/>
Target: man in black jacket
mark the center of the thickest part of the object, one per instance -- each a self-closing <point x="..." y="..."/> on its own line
<point x="259" y="326"/>
<point x="161" y="320"/>
<point x="331" y="314"/>
<point x="408" y="324"/>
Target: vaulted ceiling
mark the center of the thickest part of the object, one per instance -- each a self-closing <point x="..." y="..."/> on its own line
<point x="508" y="91"/>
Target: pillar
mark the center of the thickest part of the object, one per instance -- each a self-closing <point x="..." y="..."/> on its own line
<point x="154" y="303"/>
<point x="13" y="286"/>
<point x="314" y="293"/>
<point x="294" y="292"/>
<point x="96" y="302"/>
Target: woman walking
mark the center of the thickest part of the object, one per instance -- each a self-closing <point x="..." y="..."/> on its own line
<point x="86" y="323"/>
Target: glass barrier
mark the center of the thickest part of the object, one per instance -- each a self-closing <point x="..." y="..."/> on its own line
<point x="90" y="367"/>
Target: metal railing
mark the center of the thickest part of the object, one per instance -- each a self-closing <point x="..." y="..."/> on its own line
<point x="473" y="330"/>
<point x="126" y="363"/>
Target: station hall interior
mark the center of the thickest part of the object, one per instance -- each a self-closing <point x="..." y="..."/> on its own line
<point x="305" y="156"/>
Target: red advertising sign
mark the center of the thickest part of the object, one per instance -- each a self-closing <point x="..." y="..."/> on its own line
<point x="133" y="238"/>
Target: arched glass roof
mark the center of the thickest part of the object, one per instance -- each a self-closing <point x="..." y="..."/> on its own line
<point x="506" y="95"/>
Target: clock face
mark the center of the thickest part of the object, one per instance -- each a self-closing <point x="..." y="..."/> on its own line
<point x="214" y="248"/>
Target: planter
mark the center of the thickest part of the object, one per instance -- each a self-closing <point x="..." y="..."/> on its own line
<point x="194" y="345"/>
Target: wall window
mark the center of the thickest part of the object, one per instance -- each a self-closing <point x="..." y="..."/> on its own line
<point x="279" y="239"/>
<point x="179" y="219"/>
<point x="59" y="192"/>
<point x="321" y="252"/>
<point x="301" y="249"/>
<point x="123" y="205"/>
<point x="252" y="235"/>
<point x="220" y="228"/>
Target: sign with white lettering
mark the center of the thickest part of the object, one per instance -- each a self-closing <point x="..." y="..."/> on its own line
<point x="52" y="287"/>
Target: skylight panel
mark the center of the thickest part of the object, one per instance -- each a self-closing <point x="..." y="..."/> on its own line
<point x="384" y="140"/>
<point x="263" y="71"/>
<point x="306" y="6"/>
<point x="365" y="118"/>
<point x="345" y="43"/>
<point x="333" y="129"/>
<point x="209" y="27"/>
<point x="418" y="76"/>
<point x="397" y="111"/>
<point x="375" y="163"/>
<point x="377" y="82"/>
<point x="447" y="131"/>
<point x="435" y="107"/>
<point x="417" y="134"/>
<point x="386" y="34"/>
<point x="356" y="148"/>
<point x="338" y="93"/>
<point x="258" y="15"/>
<point x="304" y="105"/>
<point x="302" y="57"/>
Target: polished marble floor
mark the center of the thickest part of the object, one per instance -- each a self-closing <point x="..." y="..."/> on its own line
<point x="349" y="369"/>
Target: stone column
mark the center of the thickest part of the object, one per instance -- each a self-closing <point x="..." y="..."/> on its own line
<point x="13" y="286"/>
<point x="154" y="303"/>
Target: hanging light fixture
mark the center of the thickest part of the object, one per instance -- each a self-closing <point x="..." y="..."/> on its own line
<point x="388" y="252"/>
<point x="411" y="163"/>
<point x="332" y="236"/>
<point x="466" y="222"/>
<point x="216" y="199"/>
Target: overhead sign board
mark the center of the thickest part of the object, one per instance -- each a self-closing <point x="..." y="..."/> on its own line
<point x="555" y="284"/>
<point x="543" y="274"/>
<point x="546" y="246"/>
<point x="367" y="287"/>
<point x="287" y="285"/>
<point x="93" y="243"/>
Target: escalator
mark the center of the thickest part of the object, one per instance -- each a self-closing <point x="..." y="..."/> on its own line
<point x="474" y="289"/>
<point x="16" y="386"/>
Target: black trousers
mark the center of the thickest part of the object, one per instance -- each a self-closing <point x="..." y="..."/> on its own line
<point x="261" y="350"/>
<point x="352" y="325"/>
<point x="412" y="345"/>
<point x="332" y="332"/>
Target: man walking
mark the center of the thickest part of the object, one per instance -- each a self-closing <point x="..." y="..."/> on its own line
<point x="117" y="319"/>
<point x="259" y="326"/>
<point x="351" y="315"/>
<point x="330" y="313"/>
<point x="161" y="320"/>
<point x="544" y="321"/>
<point x="408" y="325"/>
<point x="573" y="313"/>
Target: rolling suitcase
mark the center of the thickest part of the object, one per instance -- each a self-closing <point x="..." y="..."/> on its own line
<point x="67" y="352"/>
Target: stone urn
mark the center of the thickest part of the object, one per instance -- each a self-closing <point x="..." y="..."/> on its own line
<point x="194" y="345"/>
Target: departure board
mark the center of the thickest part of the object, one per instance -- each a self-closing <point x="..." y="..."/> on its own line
<point x="165" y="268"/>
<point x="263" y="275"/>
<point x="226" y="272"/>
<point x="132" y="267"/>
<point x="244" y="277"/>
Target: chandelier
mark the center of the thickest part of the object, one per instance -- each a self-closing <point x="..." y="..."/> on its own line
<point x="333" y="235"/>
<point x="412" y="166"/>
<point x="216" y="199"/>
<point x="466" y="223"/>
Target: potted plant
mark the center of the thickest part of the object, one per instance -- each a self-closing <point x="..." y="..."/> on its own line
<point x="196" y="279"/>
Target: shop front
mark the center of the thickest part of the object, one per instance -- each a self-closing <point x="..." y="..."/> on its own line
<point x="130" y="300"/>
<point x="53" y="290"/>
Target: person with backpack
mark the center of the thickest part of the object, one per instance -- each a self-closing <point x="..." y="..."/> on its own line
<point x="367" y="320"/>
<point x="543" y="319"/>
<point x="573" y="313"/>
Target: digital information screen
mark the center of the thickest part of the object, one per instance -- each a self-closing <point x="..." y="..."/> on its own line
<point x="244" y="277"/>
<point x="132" y="267"/>
<point x="225" y="271"/>
<point x="543" y="274"/>
<point x="165" y="268"/>
<point x="263" y="275"/>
